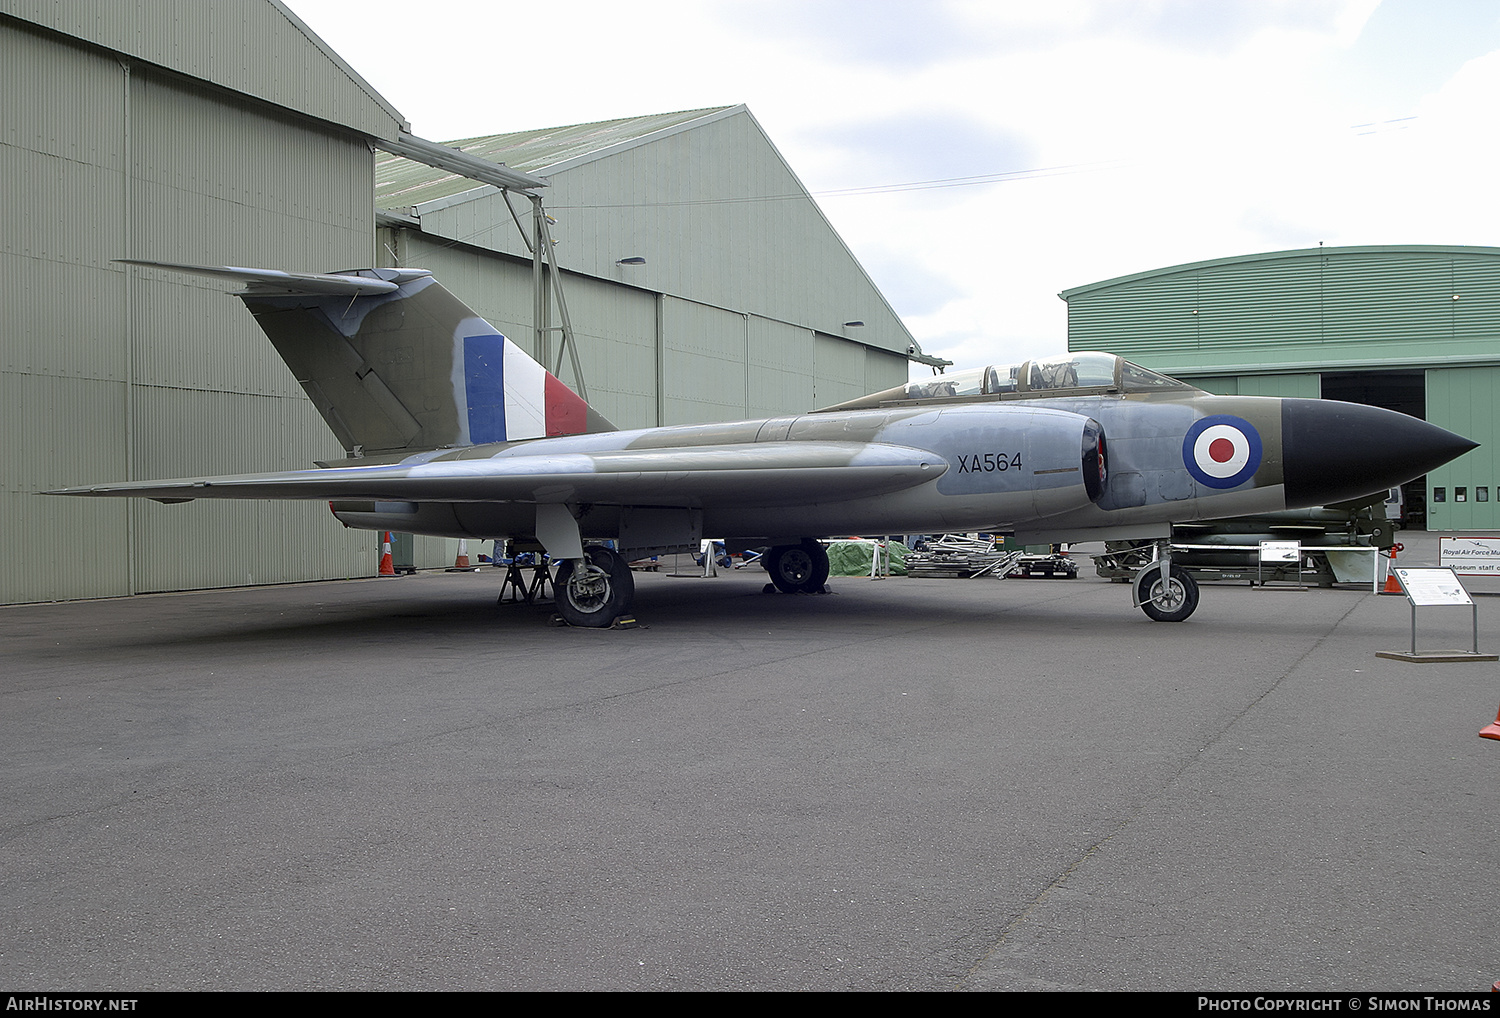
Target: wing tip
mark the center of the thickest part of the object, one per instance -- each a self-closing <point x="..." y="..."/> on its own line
<point x="348" y="282"/>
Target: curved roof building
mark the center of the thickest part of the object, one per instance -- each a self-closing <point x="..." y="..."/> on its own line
<point x="1414" y="328"/>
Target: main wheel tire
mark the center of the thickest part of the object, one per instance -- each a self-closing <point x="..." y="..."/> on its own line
<point x="798" y="568"/>
<point x="1173" y="602"/>
<point x="594" y="596"/>
<point x="818" y="581"/>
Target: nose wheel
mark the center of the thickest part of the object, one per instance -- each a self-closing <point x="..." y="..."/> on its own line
<point x="1172" y="601"/>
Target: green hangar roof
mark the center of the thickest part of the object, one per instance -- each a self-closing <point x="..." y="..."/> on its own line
<point x="1346" y="307"/>
<point x="696" y="204"/>
<point x="401" y="182"/>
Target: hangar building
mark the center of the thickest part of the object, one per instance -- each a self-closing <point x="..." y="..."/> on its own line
<point x="702" y="280"/>
<point x="230" y="134"/>
<point x="1410" y="328"/>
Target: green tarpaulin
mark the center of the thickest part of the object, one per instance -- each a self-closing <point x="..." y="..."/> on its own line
<point x="852" y="558"/>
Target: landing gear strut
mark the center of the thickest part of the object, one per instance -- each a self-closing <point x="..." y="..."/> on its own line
<point x="798" y="568"/>
<point x="1170" y="601"/>
<point x="594" y="592"/>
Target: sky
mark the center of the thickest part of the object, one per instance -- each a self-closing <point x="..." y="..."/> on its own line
<point x="1003" y="151"/>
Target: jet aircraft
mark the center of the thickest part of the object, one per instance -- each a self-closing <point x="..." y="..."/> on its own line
<point x="452" y="430"/>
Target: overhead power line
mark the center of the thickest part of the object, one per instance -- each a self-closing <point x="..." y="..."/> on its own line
<point x="916" y="185"/>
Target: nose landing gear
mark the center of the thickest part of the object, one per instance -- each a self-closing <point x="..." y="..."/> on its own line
<point x="1165" y="592"/>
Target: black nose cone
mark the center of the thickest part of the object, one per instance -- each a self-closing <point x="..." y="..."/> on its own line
<point x="1335" y="451"/>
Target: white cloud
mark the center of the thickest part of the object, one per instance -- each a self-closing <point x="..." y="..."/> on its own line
<point x="1207" y="130"/>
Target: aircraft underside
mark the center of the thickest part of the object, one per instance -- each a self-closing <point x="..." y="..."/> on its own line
<point x="596" y="587"/>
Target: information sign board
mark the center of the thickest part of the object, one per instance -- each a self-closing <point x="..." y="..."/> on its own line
<point x="1432" y="587"/>
<point x="1280" y="551"/>
<point x="1471" y="556"/>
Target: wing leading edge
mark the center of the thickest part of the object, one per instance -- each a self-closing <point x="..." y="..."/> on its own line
<point x="360" y="283"/>
<point x="769" y="474"/>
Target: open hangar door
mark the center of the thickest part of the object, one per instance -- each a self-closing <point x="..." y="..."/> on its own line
<point x="1402" y="391"/>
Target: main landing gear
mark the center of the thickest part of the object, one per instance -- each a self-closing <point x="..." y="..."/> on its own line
<point x="1170" y="601"/>
<point x="798" y="568"/>
<point x="592" y="593"/>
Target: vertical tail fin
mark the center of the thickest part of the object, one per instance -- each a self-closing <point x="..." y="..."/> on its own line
<point x="395" y="363"/>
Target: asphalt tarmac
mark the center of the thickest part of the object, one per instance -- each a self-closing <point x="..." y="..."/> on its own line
<point x="903" y="785"/>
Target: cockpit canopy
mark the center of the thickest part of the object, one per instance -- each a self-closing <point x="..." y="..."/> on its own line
<point x="1070" y="374"/>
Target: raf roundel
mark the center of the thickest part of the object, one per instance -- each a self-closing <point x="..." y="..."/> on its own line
<point x="1222" y="451"/>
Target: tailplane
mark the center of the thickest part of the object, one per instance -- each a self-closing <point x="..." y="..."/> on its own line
<point x="395" y="363"/>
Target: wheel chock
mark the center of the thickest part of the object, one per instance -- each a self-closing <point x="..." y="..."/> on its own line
<point x="621" y="622"/>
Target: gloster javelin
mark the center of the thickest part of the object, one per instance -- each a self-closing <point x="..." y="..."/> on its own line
<point x="454" y="431"/>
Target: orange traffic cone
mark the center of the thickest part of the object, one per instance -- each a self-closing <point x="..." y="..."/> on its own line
<point x="1491" y="732"/>
<point x="461" y="560"/>
<point x="1392" y="585"/>
<point x="387" y="564"/>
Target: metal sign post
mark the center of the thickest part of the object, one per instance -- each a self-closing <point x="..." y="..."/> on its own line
<point x="1435" y="588"/>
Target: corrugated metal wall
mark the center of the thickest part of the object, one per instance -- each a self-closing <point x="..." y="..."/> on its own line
<point x="62" y="362"/>
<point x="616" y="326"/>
<point x="719" y="218"/>
<point x="110" y="373"/>
<point x="779" y="375"/>
<point x="681" y="203"/>
<point x="1463" y="401"/>
<point x="715" y="364"/>
<point x="706" y="364"/>
<point x="1355" y="307"/>
<point x="255" y="47"/>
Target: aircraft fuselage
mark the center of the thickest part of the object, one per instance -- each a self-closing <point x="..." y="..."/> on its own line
<point x="995" y="466"/>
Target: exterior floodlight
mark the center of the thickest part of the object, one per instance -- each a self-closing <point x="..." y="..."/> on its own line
<point x="854" y="325"/>
<point x="632" y="260"/>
